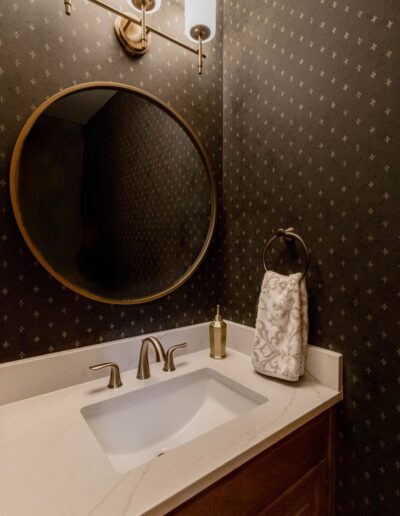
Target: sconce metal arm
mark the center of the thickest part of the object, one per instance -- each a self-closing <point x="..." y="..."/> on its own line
<point x="67" y="4"/>
<point x="131" y="19"/>
<point x="144" y="28"/>
<point x="200" y="53"/>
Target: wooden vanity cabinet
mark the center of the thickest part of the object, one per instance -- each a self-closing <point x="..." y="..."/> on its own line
<point x="291" y="478"/>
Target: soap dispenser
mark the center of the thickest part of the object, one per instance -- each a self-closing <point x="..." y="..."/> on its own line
<point x="218" y="336"/>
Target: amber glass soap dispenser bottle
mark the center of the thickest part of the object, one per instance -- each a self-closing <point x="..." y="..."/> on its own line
<point x="218" y="336"/>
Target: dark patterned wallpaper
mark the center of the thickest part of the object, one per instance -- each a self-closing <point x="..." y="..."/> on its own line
<point x="311" y="131"/>
<point x="311" y="140"/>
<point x="42" y="51"/>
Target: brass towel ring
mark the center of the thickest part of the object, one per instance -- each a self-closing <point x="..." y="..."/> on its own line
<point x="289" y="235"/>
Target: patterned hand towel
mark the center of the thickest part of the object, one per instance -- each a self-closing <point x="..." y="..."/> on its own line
<point x="280" y="341"/>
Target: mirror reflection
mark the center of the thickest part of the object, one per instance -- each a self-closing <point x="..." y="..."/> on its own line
<point x="114" y="194"/>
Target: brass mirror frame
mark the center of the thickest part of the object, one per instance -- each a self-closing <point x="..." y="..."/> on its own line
<point x="15" y="172"/>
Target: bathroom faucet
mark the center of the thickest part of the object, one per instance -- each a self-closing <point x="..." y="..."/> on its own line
<point x="143" y="371"/>
<point x="169" y="358"/>
<point x="115" y="376"/>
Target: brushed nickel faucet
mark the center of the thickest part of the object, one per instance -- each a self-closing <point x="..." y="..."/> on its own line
<point x="143" y="371"/>
<point x="169" y="359"/>
<point x="115" y="377"/>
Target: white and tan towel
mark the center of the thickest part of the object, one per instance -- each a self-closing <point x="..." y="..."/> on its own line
<point x="280" y="341"/>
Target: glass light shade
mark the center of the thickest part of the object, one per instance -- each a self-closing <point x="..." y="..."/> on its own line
<point x="157" y="5"/>
<point x="201" y="13"/>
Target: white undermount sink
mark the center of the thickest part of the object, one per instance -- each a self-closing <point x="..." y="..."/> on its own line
<point x="138" y="426"/>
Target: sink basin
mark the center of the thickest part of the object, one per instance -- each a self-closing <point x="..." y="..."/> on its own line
<point x="138" y="426"/>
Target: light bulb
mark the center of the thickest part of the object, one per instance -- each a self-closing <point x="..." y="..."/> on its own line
<point x="151" y="5"/>
<point x="200" y="15"/>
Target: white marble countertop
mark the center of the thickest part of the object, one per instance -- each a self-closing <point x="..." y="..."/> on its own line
<point x="52" y="465"/>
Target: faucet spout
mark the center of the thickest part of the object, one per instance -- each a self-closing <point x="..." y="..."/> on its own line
<point x="143" y="371"/>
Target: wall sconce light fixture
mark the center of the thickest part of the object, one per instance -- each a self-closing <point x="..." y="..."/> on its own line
<point x="200" y="23"/>
<point x="134" y="34"/>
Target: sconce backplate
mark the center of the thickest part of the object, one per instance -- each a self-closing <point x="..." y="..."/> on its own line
<point x="130" y="36"/>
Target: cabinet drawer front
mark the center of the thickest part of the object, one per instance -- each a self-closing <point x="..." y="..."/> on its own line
<point x="304" y="498"/>
<point x="254" y="486"/>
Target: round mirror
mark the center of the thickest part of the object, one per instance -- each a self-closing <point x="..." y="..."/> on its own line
<point x="113" y="193"/>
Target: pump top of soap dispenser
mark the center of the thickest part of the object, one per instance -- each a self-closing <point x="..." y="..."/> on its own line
<point x="218" y="321"/>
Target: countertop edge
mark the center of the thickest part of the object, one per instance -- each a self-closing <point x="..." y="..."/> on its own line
<point x="200" y="485"/>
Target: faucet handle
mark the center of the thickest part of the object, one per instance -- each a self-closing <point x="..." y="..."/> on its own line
<point x="169" y="358"/>
<point x="115" y="377"/>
